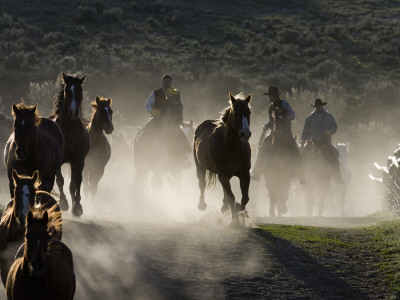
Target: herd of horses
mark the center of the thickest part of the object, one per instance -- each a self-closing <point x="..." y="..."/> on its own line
<point x="32" y="254"/>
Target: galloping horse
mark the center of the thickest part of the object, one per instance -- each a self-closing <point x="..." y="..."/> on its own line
<point x="46" y="269"/>
<point x="100" y="150"/>
<point x="35" y="144"/>
<point x="12" y="224"/>
<point x="162" y="132"/>
<point x="319" y="172"/>
<point x="66" y="113"/>
<point x="221" y="148"/>
<point x="280" y="167"/>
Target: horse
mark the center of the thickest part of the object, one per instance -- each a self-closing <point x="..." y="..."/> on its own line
<point x="100" y="150"/>
<point x="6" y="124"/>
<point x="188" y="129"/>
<point x="339" y="192"/>
<point x="12" y="224"/>
<point x="221" y="148"/>
<point x="33" y="139"/>
<point x="162" y="132"/>
<point x="319" y="172"/>
<point x="46" y="268"/>
<point x="280" y="166"/>
<point x="66" y="113"/>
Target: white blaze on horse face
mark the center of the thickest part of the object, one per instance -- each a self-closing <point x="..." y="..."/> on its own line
<point x="73" y="103"/>
<point x="25" y="199"/>
<point x="246" y="127"/>
<point x="108" y="114"/>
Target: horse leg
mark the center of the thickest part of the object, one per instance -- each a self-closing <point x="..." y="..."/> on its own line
<point x="225" y="204"/>
<point x="244" y="187"/>
<point x="75" y="187"/>
<point x="94" y="180"/>
<point x="201" y="176"/>
<point x="235" y="207"/>
<point x="60" y="183"/>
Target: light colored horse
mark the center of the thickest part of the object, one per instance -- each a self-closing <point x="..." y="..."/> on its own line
<point x="339" y="192"/>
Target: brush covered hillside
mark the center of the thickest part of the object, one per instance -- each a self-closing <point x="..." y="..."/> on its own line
<point x="344" y="52"/>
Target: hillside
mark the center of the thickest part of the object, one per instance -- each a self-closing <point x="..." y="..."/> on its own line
<point x="345" y="52"/>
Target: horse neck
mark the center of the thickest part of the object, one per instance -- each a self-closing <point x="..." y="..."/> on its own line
<point x="231" y="138"/>
<point x="95" y="127"/>
<point x="9" y="229"/>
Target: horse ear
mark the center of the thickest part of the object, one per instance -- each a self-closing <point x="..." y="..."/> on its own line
<point x="35" y="175"/>
<point x="15" y="175"/>
<point x="33" y="109"/>
<point x="248" y="99"/>
<point x="30" y="217"/>
<point x="64" y="77"/>
<point x="109" y="101"/>
<point x="14" y="109"/>
<point x="45" y="218"/>
<point x="97" y="100"/>
<point x="232" y="99"/>
<point x="82" y="79"/>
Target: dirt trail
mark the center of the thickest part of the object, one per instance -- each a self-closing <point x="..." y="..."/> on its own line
<point x="197" y="261"/>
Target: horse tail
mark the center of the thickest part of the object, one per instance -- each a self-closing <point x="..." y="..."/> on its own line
<point x="211" y="179"/>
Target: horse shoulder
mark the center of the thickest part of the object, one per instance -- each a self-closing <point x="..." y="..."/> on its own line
<point x="45" y="199"/>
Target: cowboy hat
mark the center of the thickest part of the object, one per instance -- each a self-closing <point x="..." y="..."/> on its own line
<point x="318" y="102"/>
<point x="272" y="91"/>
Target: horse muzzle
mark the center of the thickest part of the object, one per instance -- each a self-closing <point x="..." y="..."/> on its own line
<point x="73" y="113"/>
<point x="245" y="136"/>
<point x="109" y="129"/>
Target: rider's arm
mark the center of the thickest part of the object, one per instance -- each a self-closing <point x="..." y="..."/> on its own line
<point x="305" y="134"/>
<point x="290" y="115"/>
<point x="150" y="103"/>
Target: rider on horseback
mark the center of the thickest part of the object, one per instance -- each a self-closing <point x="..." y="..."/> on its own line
<point x="320" y="126"/>
<point x="165" y="106"/>
<point x="280" y="117"/>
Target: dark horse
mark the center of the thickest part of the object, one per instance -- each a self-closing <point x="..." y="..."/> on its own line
<point x="280" y="166"/>
<point x="222" y="148"/>
<point x="100" y="150"/>
<point x="46" y="269"/>
<point x="35" y="144"/>
<point x="161" y="146"/>
<point x="66" y="112"/>
<point x="319" y="172"/>
<point x="12" y="224"/>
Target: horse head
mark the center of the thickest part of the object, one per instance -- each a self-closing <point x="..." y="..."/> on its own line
<point x="103" y="114"/>
<point x="25" y="120"/>
<point x="37" y="238"/>
<point x="240" y="116"/>
<point x="73" y="94"/>
<point x="24" y="194"/>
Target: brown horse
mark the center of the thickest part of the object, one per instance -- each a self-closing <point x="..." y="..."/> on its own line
<point x="12" y="224"/>
<point x="46" y="270"/>
<point x="320" y="173"/>
<point x="33" y="139"/>
<point x="100" y="150"/>
<point x="280" y="166"/>
<point x="222" y="148"/>
<point x="66" y="113"/>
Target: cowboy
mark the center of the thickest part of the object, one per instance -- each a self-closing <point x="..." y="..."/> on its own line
<point x="279" y="110"/>
<point x="160" y="99"/>
<point x="320" y="126"/>
<point x="165" y="106"/>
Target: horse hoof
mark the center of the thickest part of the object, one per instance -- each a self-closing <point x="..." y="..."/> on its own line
<point x="63" y="203"/>
<point x="224" y="208"/>
<point x="238" y="207"/>
<point x="202" y="206"/>
<point x="77" y="209"/>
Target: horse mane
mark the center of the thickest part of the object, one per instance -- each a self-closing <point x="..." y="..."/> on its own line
<point x="36" y="116"/>
<point x="55" y="219"/>
<point x="5" y="226"/>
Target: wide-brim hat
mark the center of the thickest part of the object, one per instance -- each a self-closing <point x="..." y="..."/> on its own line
<point x="272" y="91"/>
<point x="318" y="103"/>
